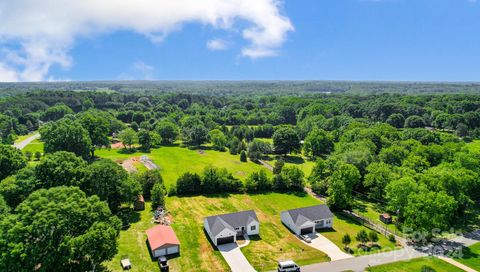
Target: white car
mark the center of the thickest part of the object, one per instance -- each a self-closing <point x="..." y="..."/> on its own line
<point x="288" y="266"/>
<point x="306" y="238"/>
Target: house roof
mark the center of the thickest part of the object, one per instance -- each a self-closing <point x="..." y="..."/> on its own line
<point x="312" y="213"/>
<point x="161" y="235"/>
<point x="217" y="223"/>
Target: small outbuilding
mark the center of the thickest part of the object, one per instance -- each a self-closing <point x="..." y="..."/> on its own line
<point x="139" y="204"/>
<point x="385" y="218"/>
<point x="162" y="241"/>
<point x="225" y="228"/>
<point x="306" y="220"/>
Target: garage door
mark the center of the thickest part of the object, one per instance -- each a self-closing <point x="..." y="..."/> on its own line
<point x="172" y="250"/>
<point x="160" y="252"/>
<point x="225" y="240"/>
<point x="306" y="230"/>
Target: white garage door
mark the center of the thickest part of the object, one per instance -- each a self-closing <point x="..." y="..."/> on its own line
<point x="160" y="252"/>
<point x="172" y="250"/>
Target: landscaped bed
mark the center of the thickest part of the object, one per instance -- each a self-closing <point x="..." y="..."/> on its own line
<point x="420" y="264"/>
<point x="198" y="254"/>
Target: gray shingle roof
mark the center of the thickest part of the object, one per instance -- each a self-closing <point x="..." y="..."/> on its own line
<point x="311" y="213"/>
<point x="217" y="223"/>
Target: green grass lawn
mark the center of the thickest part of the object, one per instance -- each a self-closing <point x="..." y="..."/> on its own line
<point x="416" y="265"/>
<point x="198" y="254"/>
<point x="35" y="146"/>
<point x="343" y="225"/>
<point x="372" y="211"/>
<point x="474" y="146"/>
<point x="471" y="257"/>
<point x="301" y="162"/>
<point x="176" y="160"/>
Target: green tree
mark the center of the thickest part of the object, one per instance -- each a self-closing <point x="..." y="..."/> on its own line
<point x="258" y="181"/>
<point x="168" y="131"/>
<point x="243" y="156"/>
<point x="38" y="155"/>
<point x="397" y="192"/>
<point x="11" y="160"/>
<point x="66" y="135"/>
<point x="346" y="240"/>
<point x="189" y="183"/>
<point x="97" y="123"/>
<point x="111" y="183"/>
<point x="158" y="195"/>
<point x="28" y="155"/>
<point x="396" y="120"/>
<point x="393" y="155"/>
<point x="292" y="178"/>
<point x="257" y="149"/>
<point x="426" y="211"/>
<point x="378" y="175"/>
<point x="4" y="208"/>
<point x="317" y="143"/>
<point x="145" y="140"/>
<point x="285" y="141"/>
<point x="414" y="121"/>
<point x="362" y="237"/>
<point x="17" y="188"/>
<point x="194" y="131"/>
<point x="373" y="236"/>
<point x="128" y="137"/>
<point x="278" y="166"/>
<point x="60" y="168"/>
<point x="341" y="185"/>
<point x="218" y="139"/>
<point x="71" y="232"/>
<point x="148" y="179"/>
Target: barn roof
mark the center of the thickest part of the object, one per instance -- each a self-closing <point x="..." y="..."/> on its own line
<point x="161" y="235"/>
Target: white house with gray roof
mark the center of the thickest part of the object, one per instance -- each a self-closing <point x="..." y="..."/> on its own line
<point x="306" y="220"/>
<point x="225" y="228"/>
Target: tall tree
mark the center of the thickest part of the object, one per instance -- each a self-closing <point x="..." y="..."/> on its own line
<point x="11" y="160"/>
<point x="66" y="135"/>
<point x="285" y="140"/>
<point x="318" y="142"/>
<point x="168" y="131"/>
<point x="128" y="137"/>
<point x="70" y="232"/>
<point x="60" y="168"/>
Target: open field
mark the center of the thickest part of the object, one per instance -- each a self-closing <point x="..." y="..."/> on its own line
<point x="176" y="160"/>
<point x="198" y="254"/>
<point x="471" y="257"/>
<point x="34" y="146"/>
<point x="343" y="225"/>
<point x="420" y="264"/>
<point x="301" y="162"/>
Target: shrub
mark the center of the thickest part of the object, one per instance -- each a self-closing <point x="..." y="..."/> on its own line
<point x="243" y="156"/>
<point x="391" y="238"/>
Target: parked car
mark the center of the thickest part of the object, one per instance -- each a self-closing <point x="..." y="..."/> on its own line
<point x="306" y="238"/>
<point x="162" y="263"/>
<point x="288" y="266"/>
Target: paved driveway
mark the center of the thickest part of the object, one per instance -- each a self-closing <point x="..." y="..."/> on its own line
<point x="321" y="243"/>
<point x="24" y="143"/>
<point x="235" y="258"/>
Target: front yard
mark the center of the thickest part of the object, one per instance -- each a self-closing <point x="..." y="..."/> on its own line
<point x="420" y="264"/>
<point x="198" y="254"/>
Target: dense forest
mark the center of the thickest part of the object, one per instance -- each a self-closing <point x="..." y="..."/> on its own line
<point x="406" y="151"/>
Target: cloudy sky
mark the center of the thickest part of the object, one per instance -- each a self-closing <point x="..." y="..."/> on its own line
<point x="240" y="39"/>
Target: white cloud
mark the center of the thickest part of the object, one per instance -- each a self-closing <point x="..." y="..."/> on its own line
<point x="139" y="70"/>
<point x="217" y="44"/>
<point x="38" y="34"/>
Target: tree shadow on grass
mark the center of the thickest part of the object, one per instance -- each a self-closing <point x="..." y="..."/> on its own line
<point x="128" y="217"/>
<point x="469" y="254"/>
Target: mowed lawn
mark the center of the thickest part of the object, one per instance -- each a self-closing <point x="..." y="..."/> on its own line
<point x="176" y="160"/>
<point x="416" y="265"/>
<point x="274" y="243"/>
<point x="471" y="257"/>
<point x="34" y="146"/>
<point x="372" y="211"/>
<point x="343" y="225"/>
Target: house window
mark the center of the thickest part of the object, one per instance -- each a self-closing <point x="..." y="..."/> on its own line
<point x="253" y="227"/>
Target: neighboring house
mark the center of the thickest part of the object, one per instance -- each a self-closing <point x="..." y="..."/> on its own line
<point x="225" y="228"/>
<point x="162" y="241"/>
<point x="307" y="220"/>
<point x="385" y="218"/>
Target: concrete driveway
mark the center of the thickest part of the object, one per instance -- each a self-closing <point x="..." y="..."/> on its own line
<point x="235" y="258"/>
<point x="321" y="243"/>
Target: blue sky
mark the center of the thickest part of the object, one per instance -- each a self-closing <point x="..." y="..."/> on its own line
<point x="417" y="40"/>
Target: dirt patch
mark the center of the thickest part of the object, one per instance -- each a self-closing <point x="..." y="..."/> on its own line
<point x="129" y="164"/>
<point x="117" y="145"/>
<point x="240" y="173"/>
<point x="201" y="152"/>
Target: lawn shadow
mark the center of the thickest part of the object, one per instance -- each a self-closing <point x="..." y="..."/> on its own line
<point x="215" y="248"/>
<point x="293" y="159"/>
<point x="128" y="217"/>
<point x="360" y="206"/>
<point x="469" y="254"/>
